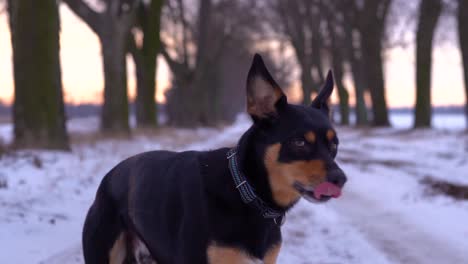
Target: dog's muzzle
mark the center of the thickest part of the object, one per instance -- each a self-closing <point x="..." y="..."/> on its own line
<point x="331" y="188"/>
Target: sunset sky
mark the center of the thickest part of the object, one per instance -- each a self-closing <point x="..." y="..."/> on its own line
<point x="83" y="79"/>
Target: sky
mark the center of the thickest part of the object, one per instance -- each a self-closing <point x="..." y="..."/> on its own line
<point x="83" y="78"/>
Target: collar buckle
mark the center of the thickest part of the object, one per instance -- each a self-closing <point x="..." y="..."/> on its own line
<point x="279" y="221"/>
<point x="240" y="184"/>
<point x="231" y="153"/>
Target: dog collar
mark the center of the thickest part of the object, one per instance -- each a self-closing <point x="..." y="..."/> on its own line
<point x="247" y="192"/>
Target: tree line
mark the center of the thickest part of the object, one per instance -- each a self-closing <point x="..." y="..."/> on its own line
<point x="207" y="45"/>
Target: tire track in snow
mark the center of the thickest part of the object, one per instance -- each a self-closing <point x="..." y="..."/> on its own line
<point x="402" y="241"/>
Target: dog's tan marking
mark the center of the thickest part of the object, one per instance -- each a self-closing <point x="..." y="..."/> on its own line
<point x="118" y="251"/>
<point x="272" y="254"/>
<point x="330" y="134"/>
<point x="229" y="255"/>
<point x="283" y="175"/>
<point x="310" y="136"/>
<point x="261" y="99"/>
<point x="141" y="252"/>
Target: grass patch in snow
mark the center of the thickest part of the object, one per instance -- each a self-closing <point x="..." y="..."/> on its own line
<point x="437" y="186"/>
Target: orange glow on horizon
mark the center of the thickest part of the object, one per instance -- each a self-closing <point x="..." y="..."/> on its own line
<point x="80" y="54"/>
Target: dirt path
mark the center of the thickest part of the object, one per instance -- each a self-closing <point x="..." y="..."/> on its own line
<point x="400" y="240"/>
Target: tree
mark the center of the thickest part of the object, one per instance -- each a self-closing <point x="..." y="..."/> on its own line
<point x="112" y="26"/>
<point x="195" y="45"/>
<point x="300" y="21"/>
<point x="145" y="58"/>
<point x="429" y="12"/>
<point x="354" y="53"/>
<point x="38" y="109"/>
<point x="372" y="17"/>
<point x="336" y="37"/>
<point x="187" y="100"/>
<point x="372" y="29"/>
<point x="463" y="40"/>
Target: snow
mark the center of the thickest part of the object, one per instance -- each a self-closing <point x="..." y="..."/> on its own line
<point x="6" y="133"/>
<point x="385" y="215"/>
<point x="318" y="234"/>
<point x="386" y="200"/>
<point x="439" y="121"/>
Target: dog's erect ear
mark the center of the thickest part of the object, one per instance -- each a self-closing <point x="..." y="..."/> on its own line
<point x="263" y="94"/>
<point x="321" y="101"/>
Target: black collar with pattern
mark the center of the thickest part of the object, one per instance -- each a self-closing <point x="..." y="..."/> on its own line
<point x="247" y="192"/>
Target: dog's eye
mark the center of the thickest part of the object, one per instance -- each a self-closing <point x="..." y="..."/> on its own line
<point x="298" y="143"/>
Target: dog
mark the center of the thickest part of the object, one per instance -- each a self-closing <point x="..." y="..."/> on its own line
<point x="225" y="205"/>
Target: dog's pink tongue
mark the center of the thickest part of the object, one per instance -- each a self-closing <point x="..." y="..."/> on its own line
<point x="328" y="189"/>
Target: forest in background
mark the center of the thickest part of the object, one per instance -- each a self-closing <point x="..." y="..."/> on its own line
<point x="207" y="45"/>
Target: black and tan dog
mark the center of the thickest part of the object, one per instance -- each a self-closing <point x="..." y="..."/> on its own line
<point x="220" y="206"/>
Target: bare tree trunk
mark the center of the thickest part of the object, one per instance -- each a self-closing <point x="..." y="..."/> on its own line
<point x="146" y="107"/>
<point x="429" y="12"/>
<point x="232" y="73"/>
<point x="359" y="84"/>
<point x="317" y="44"/>
<point x="342" y="92"/>
<point x="114" y="114"/>
<point x="211" y="111"/>
<point x="38" y="110"/>
<point x="357" y="71"/>
<point x="353" y="52"/>
<point x="300" y="23"/>
<point x="343" y="96"/>
<point x="374" y="76"/>
<point x="307" y="84"/>
<point x="195" y="99"/>
<point x="203" y="73"/>
<point x="372" y="29"/>
<point x="463" y="38"/>
<point x="337" y="60"/>
<point x="112" y="26"/>
<point x="184" y="103"/>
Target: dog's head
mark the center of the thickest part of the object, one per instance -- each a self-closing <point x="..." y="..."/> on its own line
<point x="297" y="143"/>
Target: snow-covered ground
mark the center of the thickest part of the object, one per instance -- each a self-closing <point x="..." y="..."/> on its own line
<point x="386" y="215"/>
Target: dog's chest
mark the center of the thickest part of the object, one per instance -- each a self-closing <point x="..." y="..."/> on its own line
<point x="232" y="255"/>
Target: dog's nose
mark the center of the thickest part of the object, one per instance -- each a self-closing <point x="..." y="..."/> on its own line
<point x="337" y="177"/>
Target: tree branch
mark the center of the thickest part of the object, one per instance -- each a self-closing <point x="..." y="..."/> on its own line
<point x="217" y="52"/>
<point x="385" y="7"/>
<point x="290" y="30"/>
<point x="141" y="17"/>
<point x="133" y="47"/>
<point x="184" y="32"/>
<point x="203" y="27"/>
<point x="176" y="67"/>
<point x="88" y="15"/>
